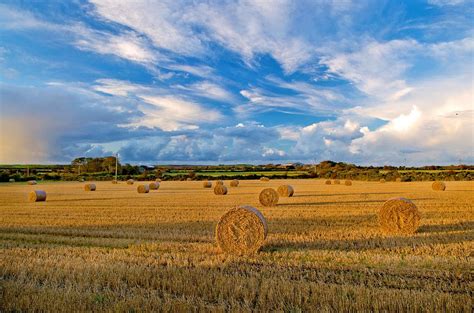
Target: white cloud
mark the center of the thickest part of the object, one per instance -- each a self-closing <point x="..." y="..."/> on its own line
<point x="446" y="2"/>
<point x="161" y="108"/>
<point x="127" y="45"/>
<point x="164" y="22"/>
<point x="171" y="113"/>
<point x="376" y="68"/>
<point x="209" y="90"/>
<point x="433" y="125"/>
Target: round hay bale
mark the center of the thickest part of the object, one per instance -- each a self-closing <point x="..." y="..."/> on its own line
<point x="114" y="182"/>
<point x="189" y="179"/>
<point x="37" y="195"/>
<point x="382" y="180"/>
<point x="220" y="190"/>
<point x="399" y="216"/>
<point x="241" y="231"/>
<point x="154" y="186"/>
<point x="89" y="187"/>
<point x="348" y="183"/>
<point x="143" y="188"/>
<point x="328" y="182"/>
<point x="206" y="184"/>
<point x="398" y="179"/>
<point x="82" y="180"/>
<point x="158" y="180"/>
<point x="220" y="182"/>
<point x="32" y="182"/>
<point x="438" y="186"/>
<point x="234" y="183"/>
<point x="285" y="191"/>
<point x="11" y="180"/>
<point x="264" y="178"/>
<point x="130" y="182"/>
<point x="337" y="182"/>
<point x="268" y="197"/>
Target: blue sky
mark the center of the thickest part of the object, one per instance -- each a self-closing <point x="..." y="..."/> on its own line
<point x="368" y="82"/>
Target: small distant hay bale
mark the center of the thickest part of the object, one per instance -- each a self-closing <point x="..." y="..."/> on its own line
<point x="11" y="180"/>
<point x="158" y="180"/>
<point x="189" y="179"/>
<point x="206" y="184"/>
<point x="285" y="191"/>
<point x="31" y="182"/>
<point x="37" y="196"/>
<point x="382" y="180"/>
<point x="328" y="182"/>
<point x="398" y="179"/>
<point x="348" y="183"/>
<point x="143" y="188"/>
<point x="264" y="178"/>
<point x="241" y="231"/>
<point x="89" y="187"/>
<point x="337" y="182"/>
<point x="268" y="197"/>
<point x="220" y="190"/>
<point x="438" y="186"/>
<point x="220" y="182"/>
<point x="154" y="186"/>
<point x="399" y="216"/>
<point x="82" y="180"/>
<point x="114" y="182"/>
<point x="130" y="182"/>
<point x="234" y="183"/>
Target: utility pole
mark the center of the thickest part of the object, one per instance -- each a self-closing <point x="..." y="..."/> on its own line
<point x="116" y="165"/>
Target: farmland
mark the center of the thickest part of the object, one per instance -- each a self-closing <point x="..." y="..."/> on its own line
<point x="115" y="249"/>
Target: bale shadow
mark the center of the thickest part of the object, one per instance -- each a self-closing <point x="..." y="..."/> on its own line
<point x="446" y="227"/>
<point x="343" y="194"/>
<point x="345" y="202"/>
<point x="371" y="243"/>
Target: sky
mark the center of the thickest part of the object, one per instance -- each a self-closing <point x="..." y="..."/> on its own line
<point x="219" y="82"/>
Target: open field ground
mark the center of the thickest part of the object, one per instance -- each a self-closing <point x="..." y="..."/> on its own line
<point x="115" y="249"/>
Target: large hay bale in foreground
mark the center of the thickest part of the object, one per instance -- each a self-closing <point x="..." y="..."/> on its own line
<point x="37" y="195"/>
<point x="348" y="183"/>
<point x="206" y="184"/>
<point x="264" y="178"/>
<point x="399" y="216"/>
<point x="337" y="182"/>
<point x="438" y="186"/>
<point x="268" y="197"/>
<point x="328" y="182"/>
<point x="89" y="187"/>
<point x="234" y="183"/>
<point x="143" y="188"/>
<point x="382" y="180"/>
<point x="241" y="231"/>
<point x="154" y="186"/>
<point x="220" y="190"/>
<point x="31" y="182"/>
<point x="130" y="182"/>
<point x="285" y="191"/>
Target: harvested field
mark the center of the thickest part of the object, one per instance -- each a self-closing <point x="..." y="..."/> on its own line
<point x="115" y="249"/>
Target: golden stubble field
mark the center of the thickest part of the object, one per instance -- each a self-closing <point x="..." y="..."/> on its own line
<point x="117" y="250"/>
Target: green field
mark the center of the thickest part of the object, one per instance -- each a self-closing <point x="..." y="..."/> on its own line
<point x="237" y="173"/>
